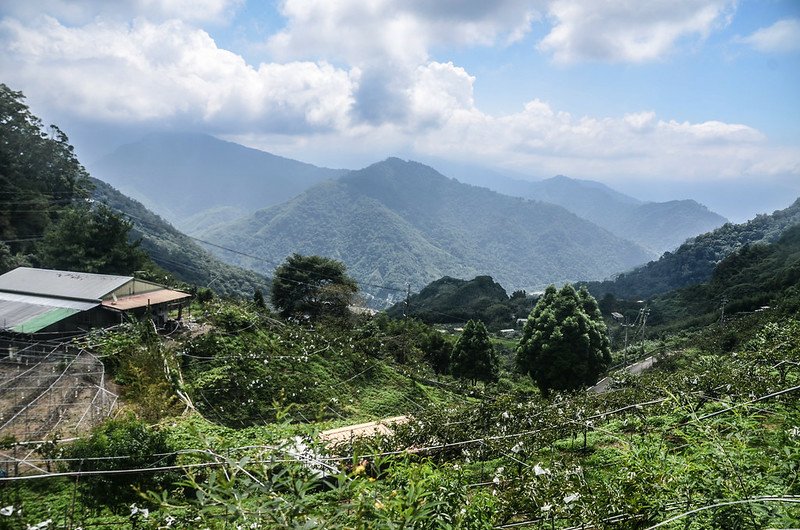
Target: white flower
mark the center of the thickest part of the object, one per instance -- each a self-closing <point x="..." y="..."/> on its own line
<point x="794" y="432"/>
<point x="496" y="479"/>
<point x="8" y="510"/>
<point x="572" y="497"/>
<point x="506" y="415"/>
<point x="546" y="507"/>
<point x="539" y="470"/>
<point x="40" y="526"/>
<point x="517" y="447"/>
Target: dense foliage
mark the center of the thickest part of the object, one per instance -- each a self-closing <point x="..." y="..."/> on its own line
<point x="694" y="261"/>
<point x="564" y="344"/>
<point x="46" y="219"/>
<point x="474" y="357"/>
<point x="451" y="300"/>
<point x="119" y="444"/>
<point x="312" y="287"/>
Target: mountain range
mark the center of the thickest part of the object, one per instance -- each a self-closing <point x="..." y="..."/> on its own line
<point x="399" y="222"/>
<point x="656" y="226"/>
<point x="396" y="222"/>
<point x="197" y="181"/>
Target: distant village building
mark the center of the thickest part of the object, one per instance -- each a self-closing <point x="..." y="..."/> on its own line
<point x="55" y="302"/>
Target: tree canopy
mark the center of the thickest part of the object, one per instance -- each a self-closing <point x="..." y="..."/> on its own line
<point x="312" y="287"/>
<point x="564" y="345"/>
<point x="45" y="217"/>
<point x="474" y="357"/>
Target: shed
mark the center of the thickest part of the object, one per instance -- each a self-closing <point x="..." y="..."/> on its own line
<point x="52" y="301"/>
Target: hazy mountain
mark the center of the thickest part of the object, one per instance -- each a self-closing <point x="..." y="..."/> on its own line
<point x="182" y="175"/>
<point x="396" y="222"/>
<point x="694" y="261"/>
<point x="657" y="226"/>
<point x="177" y="253"/>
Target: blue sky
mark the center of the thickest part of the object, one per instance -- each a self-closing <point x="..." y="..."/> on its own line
<point x="663" y="99"/>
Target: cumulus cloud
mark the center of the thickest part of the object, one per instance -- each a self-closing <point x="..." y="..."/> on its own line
<point x="781" y="37"/>
<point x="542" y="140"/>
<point x="146" y="71"/>
<point x="628" y="30"/>
<point x="401" y="33"/>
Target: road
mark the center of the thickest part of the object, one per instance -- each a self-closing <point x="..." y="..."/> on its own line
<point x="345" y="434"/>
<point x="635" y="369"/>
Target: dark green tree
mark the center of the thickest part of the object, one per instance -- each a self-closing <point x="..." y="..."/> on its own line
<point x="437" y="351"/>
<point x="564" y="344"/>
<point x="39" y="174"/>
<point x="312" y="287"/>
<point x="474" y="357"/>
<point x="122" y="443"/>
<point x="91" y="239"/>
<point x="258" y="298"/>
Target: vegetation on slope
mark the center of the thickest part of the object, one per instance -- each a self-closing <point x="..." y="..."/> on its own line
<point x="694" y="261"/>
<point x="46" y="219"/>
<point x="177" y="253"/>
<point x="451" y="300"/>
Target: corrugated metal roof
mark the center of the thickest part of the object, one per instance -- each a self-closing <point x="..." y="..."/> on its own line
<point x="52" y="283"/>
<point x="29" y="314"/>
<point x="143" y="300"/>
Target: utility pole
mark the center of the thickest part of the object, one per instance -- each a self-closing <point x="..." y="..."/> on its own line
<point x="645" y="312"/>
<point x="625" y="350"/>
<point x="722" y="314"/>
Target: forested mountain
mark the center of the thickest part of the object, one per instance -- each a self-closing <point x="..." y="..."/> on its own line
<point x="756" y="275"/>
<point x="452" y="300"/>
<point x="694" y="261"/>
<point x="396" y="222"/>
<point x="177" y="253"/>
<point x="657" y="226"/>
<point x="180" y="176"/>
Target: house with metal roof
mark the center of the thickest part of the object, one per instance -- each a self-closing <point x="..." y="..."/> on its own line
<point x="51" y="301"/>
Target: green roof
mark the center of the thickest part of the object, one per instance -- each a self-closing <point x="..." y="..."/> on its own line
<point x="42" y="320"/>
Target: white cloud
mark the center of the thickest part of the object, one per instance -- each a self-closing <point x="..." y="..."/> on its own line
<point x="401" y="33"/>
<point x="628" y="30"/>
<point x="541" y="140"/>
<point x="145" y="71"/>
<point x="781" y="37"/>
<point x="77" y="12"/>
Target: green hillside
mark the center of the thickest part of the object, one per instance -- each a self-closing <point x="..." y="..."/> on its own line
<point x="756" y="276"/>
<point x="694" y="261"/>
<point x="396" y="222"/>
<point x="452" y="300"/>
<point x="177" y="253"/>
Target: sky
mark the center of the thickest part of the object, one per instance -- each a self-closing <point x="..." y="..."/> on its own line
<point x="661" y="99"/>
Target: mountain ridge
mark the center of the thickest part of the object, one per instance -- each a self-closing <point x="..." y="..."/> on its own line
<point x="180" y="175"/>
<point x="406" y="222"/>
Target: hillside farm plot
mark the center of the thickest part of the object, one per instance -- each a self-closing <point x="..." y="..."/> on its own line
<point x="51" y="389"/>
